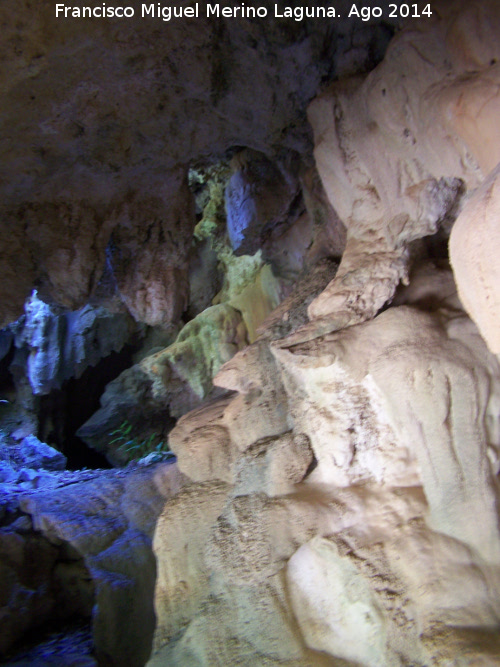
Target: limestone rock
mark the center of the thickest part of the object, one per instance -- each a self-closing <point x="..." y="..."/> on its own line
<point x="392" y="172"/>
<point x="202" y="443"/>
<point x="336" y="521"/>
<point x="229" y="583"/>
<point x="259" y="199"/>
<point x="256" y="300"/>
<point x="200" y="349"/>
<point x="261" y="409"/>
<point x="79" y="149"/>
<point x="183" y="578"/>
<point x="54" y="345"/>
<point x="149" y="250"/>
<point x="473" y="245"/>
<point x="317" y="234"/>
<point x="341" y="504"/>
<point x="7" y="473"/>
<point x="330" y="232"/>
<point x="109" y="521"/>
<point x="179" y="377"/>
<point x="407" y="612"/>
<point x="43" y="585"/>
<point x="227" y="631"/>
<point x="333" y="603"/>
<point x="29" y="463"/>
<point x="205" y="279"/>
<point x="205" y="451"/>
<point x="38" y="454"/>
<point x="433" y="380"/>
<point x="248" y="283"/>
<point x="25" y="601"/>
<point x="292" y="311"/>
<point x="274" y="466"/>
<point x="126" y="399"/>
<point x="176" y="379"/>
<point x="68" y="238"/>
<point x="209" y="440"/>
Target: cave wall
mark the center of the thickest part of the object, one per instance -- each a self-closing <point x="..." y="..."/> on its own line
<point x="102" y="118"/>
<point x="398" y="150"/>
<point x="339" y="500"/>
<point x="344" y="501"/>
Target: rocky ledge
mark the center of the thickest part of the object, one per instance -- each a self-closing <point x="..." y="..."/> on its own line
<point x="78" y="549"/>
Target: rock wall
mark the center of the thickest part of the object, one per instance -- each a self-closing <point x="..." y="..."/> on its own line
<point x="105" y="523"/>
<point x="59" y="588"/>
<point x="344" y="499"/>
<point x="54" y="345"/>
<point x="47" y="347"/>
<point x="333" y="508"/>
<point x="396" y="150"/>
<point x="473" y="250"/>
<point x="336" y="501"/>
<point x="102" y="118"/>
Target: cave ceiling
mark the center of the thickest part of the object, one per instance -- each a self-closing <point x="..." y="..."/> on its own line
<point x="101" y="118"/>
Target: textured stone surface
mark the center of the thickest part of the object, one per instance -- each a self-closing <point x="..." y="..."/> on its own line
<point x="474" y="243"/>
<point x="126" y="399"/>
<point x="169" y="382"/>
<point x="411" y="388"/>
<point x="51" y="346"/>
<point x="149" y="248"/>
<point x="109" y="521"/>
<point x="260" y="198"/>
<point x="71" y="646"/>
<point x="179" y="377"/>
<point x="54" y="345"/>
<point x="341" y="500"/>
<point x="292" y="311"/>
<point x="343" y="474"/>
<point x="202" y="443"/>
<point x="28" y="597"/>
<point x="392" y="171"/>
<point x="333" y="603"/>
<point x="38" y="454"/>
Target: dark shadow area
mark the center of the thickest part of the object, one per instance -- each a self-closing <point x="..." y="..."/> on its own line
<point x="50" y="646"/>
<point x="63" y="411"/>
<point x="7" y="387"/>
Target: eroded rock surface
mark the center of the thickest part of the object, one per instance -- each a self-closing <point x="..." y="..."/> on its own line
<point x="169" y="382"/>
<point x="53" y="345"/>
<point x="473" y="252"/>
<point x="260" y="198"/>
<point x="328" y="492"/>
<point x="101" y="119"/>
<point x="87" y="552"/>
<point x="392" y="170"/>
<point x="335" y="502"/>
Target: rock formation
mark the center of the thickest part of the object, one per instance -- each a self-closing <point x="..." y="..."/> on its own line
<point x="328" y="377"/>
<point x="82" y="547"/>
<point x="52" y="346"/>
<point x="105" y="127"/>
<point x="473" y="246"/>
<point x="366" y="548"/>
<point x="44" y="349"/>
<point x="329" y="488"/>
<point x="394" y="172"/>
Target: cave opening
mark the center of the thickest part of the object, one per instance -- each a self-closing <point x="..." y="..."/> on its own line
<point x="64" y="410"/>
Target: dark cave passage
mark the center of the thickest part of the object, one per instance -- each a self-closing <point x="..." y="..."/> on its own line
<point x="7" y="387"/>
<point x="63" y="411"/>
